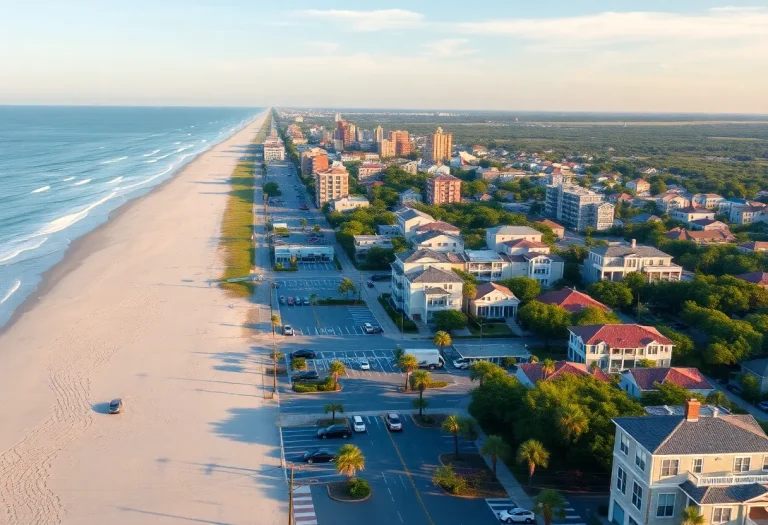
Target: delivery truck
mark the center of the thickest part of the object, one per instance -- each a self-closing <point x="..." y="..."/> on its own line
<point x="428" y="357"/>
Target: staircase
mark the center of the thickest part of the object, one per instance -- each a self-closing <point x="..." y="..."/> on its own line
<point x="514" y="327"/>
<point x="424" y="329"/>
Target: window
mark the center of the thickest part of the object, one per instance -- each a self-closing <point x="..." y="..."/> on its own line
<point x="669" y="467"/>
<point x="666" y="506"/>
<point x="640" y="458"/>
<point x="624" y="446"/>
<point x="741" y="464"/>
<point x="698" y="465"/>
<point x="621" y="480"/>
<point x="721" y="514"/>
<point x="637" y="495"/>
<point x="765" y="462"/>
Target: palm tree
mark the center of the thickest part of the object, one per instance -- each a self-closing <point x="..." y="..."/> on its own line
<point x="275" y="319"/>
<point x="480" y="370"/>
<point x="333" y="408"/>
<point x="533" y="359"/>
<point x="313" y="298"/>
<point x="452" y="424"/>
<point x="532" y="454"/>
<point x="718" y="398"/>
<point x="316" y="228"/>
<point x="303" y="223"/>
<point x="691" y="516"/>
<point x="573" y="422"/>
<point x="495" y="446"/>
<point x="547" y="367"/>
<point x="349" y="460"/>
<point x="422" y="405"/>
<point x="336" y="368"/>
<point x="442" y="340"/>
<point x="550" y="505"/>
<point x="407" y="363"/>
<point x="420" y="380"/>
<point x="469" y="291"/>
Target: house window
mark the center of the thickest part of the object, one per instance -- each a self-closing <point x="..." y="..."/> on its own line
<point x="741" y="464"/>
<point x="637" y="495"/>
<point x="624" y="446"/>
<point x="640" y="458"/>
<point x="721" y="514"/>
<point x="765" y="463"/>
<point x="669" y="467"/>
<point x="621" y="480"/>
<point x="666" y="506"/>
<point x="698" y="464"/>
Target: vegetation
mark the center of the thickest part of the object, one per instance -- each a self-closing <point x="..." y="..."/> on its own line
<point x="532" y="454"/>
<point x="546" y="320"/>
<point x="298" y="363"/>
<point x="325" y="385"/>
<point x="669" y="394"/>
<point x="358" y="488"/>
<point x="335" y="369"/>
<point x="333" y="408"/>
<point x="271" y="189"/>
<point x="691" y="516"/>
<point x="496" y="447"/>
<point x="524" y="288"/>
<point x="349" y="460"/>
<point x="550" y="505"/>
<point x="445" y="477"/>
<point x="459" y="426"/>
<point x="403" y="324"/>
<point x="346" y="286"/>
<point x="442" y="340"/>
<point x="407" y="363"/>
<point x="447" y="320"/>
<point x="480" y="370"/>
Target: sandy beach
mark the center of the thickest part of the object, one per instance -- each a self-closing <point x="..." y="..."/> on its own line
<point x="131" y="313"/>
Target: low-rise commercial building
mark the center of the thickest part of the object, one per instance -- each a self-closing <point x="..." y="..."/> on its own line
<point x="363" y="244"/>
<point x="349" y="203"/>
<point x="617" y="347"/>
<point x="286" y="253"/>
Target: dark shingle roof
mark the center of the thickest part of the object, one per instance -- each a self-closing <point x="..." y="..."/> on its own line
<point x="434" y="275"/>
<point x="758" y="366"/>
<point x="714" y="495"/>
<point x="673" y="435"/>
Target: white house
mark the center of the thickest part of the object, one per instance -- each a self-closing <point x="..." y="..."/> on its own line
<point x="691" y="213"/>
<point x="616" y="347"/>
<point x="612" y="263"/>
<point x="438" y="241"/>
<point x="408" y="219"/>
<point x="494" y="301"/>
<point x="496" y="237"/>
<point x="349" y="203"/>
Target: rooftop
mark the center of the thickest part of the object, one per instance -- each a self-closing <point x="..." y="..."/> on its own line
<point x="513" y="230"/>
<point x="688" y="378"/>
<point x="438" y="226"/>
<point x="571" y="300"/>
<point x="728" y="494"/>
<point x="431" y="234"/>
<point x="522" y="243"/>
<point x="760" y="278"/>
<point x="434" y="275"/>
<point x="552" y="224"/>
<point x="411" y="213"/>
<point x="755" y="246"/>
<point x="681" y="234"/>
<point x="693" y="209"/>
<point x="758" y="366"/>
<point x="534" y="371"/>
<point x="623" y="251"/>
<point x="619" y="335"/>
<point x="486" y="288"/>
<point x="426" y="255"/>
<point x="482" y="256"/>
<point x="477" y="351"/>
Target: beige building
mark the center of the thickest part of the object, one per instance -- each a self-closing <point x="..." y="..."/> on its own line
<point x="639" y="185"/>
<point x="386" y="148"/>
<point x="612" y="263"/>
<point x="330" y="185"/>
<point x="315" y="159"/>
<point x="349" y="203"/>
<point x="714" y="462"/>
<point x="423" y="283"/>
<point x="494" y="301"/>
<point x="439" y="146"/>
<point x="401" y="142"/>
<point x="497" y="236"/>
<point x="443" y="189"/>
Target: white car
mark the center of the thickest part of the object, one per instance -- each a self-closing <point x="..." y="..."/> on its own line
<point x="358" y="424"/>
<point x="288" y="330"/>
<point x="364" y="364"/>
<point x="516" y="516"/>
<point x="393" y="422"/>
<point x="460" y="364"/>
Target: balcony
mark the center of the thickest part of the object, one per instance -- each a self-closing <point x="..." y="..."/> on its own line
<point x="705" y="480"/>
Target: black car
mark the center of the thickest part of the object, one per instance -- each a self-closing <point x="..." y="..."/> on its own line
<point x="304" y="376"/>
<point x="319" y="455"/>
<point x="333" y="431"/>
<point x="115" y="406"/>
<point x="306" y="354"/>
<point x="381" y="277"/>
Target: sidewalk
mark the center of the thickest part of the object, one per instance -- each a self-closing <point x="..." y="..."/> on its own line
<point x="505" y="477"/>
<point x="736" y="400"/>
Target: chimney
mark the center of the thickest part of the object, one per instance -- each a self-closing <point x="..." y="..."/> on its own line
<point x="692" y="407"/>
<point x="634" y="243"/>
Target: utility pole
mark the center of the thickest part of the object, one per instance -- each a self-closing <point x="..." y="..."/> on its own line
<point x="274" y="366"/>
<point x="290" y="499"/>
<point x="360" y="289"/>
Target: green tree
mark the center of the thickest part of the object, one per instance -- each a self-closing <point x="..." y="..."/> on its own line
<point x="496" y="447"/>
<point x="420" y="381"/>
<point x="316" y="228"/>
<point x="333" y="408"/>
<point x="532" y="454"/>
<point x="592" y="315"/>
<point x="346" y="286"/>
<point x="524" y="288"/>
<point x="691" y="516"/>
<point x="684" y="347"/>
<point x="275" y="320"/>
<point x="573" y="422"/>
<point x="480" y="370"/>
<point x="545" y="320"/>
<point x="456" y="425"/>
<point x="718" y="398"/>
<point x="442" y="340"/>
<point x="611" y="293"/>
<point x="407" y="363"/>
<point x="298" y="363"/>
<point x="349" y="460"/>
<point x="336" y="368"/>
<point x="422" y="405"/>
<point x="668" y="394"/>
<point x="635" y="281"/>
<point x="313" y="299"/>
<point x="447" y="320"/>
<point x="550" y="505"/>
<point x="271" y="189"/>
<point x="751" y="387"/>
<point x="303" y="222"/>
<point x="658" y="187"/>
<point x="645" y="363"/>
<point x="547" y="367"/>
<point x="468" y="292"/>
<point x="508" y="362"/>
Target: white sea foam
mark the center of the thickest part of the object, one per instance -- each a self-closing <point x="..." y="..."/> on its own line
<point x="150" y="179"/>
<point x="112" y="161"/>
<point x="10" y="292"/>
<point x="203" y="140"/>
<point x="81" y="182"/>
<point x="19" y="247"/>
<point x="41" y="190"/>
<point x="176" y="143"/>
<point x="66" y="221"/>
<point x="152" y="153"/>
<point x="115" y="180"/>
<point x="68" y="179"/>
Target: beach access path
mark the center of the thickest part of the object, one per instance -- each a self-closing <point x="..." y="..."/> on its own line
<point x="132" y="312"/>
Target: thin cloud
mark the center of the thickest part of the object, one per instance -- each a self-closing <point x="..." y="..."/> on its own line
<point x="449" y="48"/>
<point x="324" y="47"/>
<point x="377" y="20"/>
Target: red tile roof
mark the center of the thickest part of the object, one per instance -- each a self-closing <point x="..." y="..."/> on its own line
<point x="533" y="371"/>
<point x="619" y="335"/>
<point x="681" y="234"/>
<point x="486" y="288"/>
<point x="760" y="278"/>
<point x="571" y="300"/>
<point x="552" y="224"/>
<point x="688" y="378"/>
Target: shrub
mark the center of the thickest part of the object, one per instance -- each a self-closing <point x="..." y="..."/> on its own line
<point x="508" y="362"/>
<point x="437" y="384"/>
<point x="305" y="387"/>
<point x="358" y="488"/>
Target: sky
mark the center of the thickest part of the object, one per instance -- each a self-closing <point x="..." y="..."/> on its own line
<point x="544" y="55"/>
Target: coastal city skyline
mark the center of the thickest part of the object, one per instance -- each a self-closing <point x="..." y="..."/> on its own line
<point x="558" y="56"/>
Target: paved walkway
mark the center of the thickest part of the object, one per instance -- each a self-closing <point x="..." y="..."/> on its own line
<point x="505" y="477"/>
<point x="741" y="403"/>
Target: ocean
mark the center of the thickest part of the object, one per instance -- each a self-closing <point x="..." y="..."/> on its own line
<point x="64" y="169"/>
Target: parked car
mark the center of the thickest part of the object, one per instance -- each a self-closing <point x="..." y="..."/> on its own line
<point x="763" y="405"/>
<point x="290" y="300"/>
<point x="320" y="455"/>
<point x="370" y="284"/>
<point x="332" y="431"/>
<point x="309" y="375"/>
<point x="115" y="406"/>
<point x="282" y="299"/>
<point x="288" y="330"/>
<point x="460" y="364"/>
<point x="381" y="277"/>
<point x="304" y="207"/>
<point x="275" y="285"/>
<point x="306" y="354"/>
<point x="393" y="422"/>
<point x="736" y="389"/>
<point x="365" y="364"/>
<point x="358" y="424"/>
<point x="368" y="328"/>
<point x="305" y="301"/>
<point x="516" y="516"/>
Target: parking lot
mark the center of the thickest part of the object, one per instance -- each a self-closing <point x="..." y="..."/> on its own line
<point x="380" y="361"/>
<point x="339" y="321"/>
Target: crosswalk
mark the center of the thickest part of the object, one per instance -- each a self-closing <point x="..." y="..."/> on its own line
<point x="303" y="507"/>
<point x="361" y="315"/>
<point x="499" y="504"/>
<point x="307" y="284"/>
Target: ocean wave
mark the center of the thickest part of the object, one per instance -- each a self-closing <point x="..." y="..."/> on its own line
<point x="20" y="247"/>
<point x="115" y="180"/>
<point x="203" y="140"/>
<point x="176" y="143"/>
<point x="81" y="182"/>
<point x="40" y="190"/>
<point x="152" y="153"/>
<point x="184" y="148"/>
<point x="112" y="161"/>
<point x="68" y="179"/>
<point x="150" y="179"/>
<point x="66" y="221"/>
<point x="10" y="292"/>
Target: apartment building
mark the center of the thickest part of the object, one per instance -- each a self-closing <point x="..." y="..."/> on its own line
<point x="672" y="200"/>
<point x="273" y="148"/>
<point x="378" y="134"/>
<point x="747" y="214"/>
<point x="367" y="170"/>
<point x="443" y="189"/>
<point x="385" y="148"/>
<point x="331" y="184"/>
<point x="409" y="219"/>
<point x="439" y="146"/>
<point x="313" y="160"/>
<point x="423" y="283"/>
<point x="617" y="347"/>
<point x="532" y="259"/>
<point x="710" y="201"/>
<point x="578" y="208"/>
<point x="401" y="142"/>
<point x="612" y="263"/>
<point x="663" y="464"/>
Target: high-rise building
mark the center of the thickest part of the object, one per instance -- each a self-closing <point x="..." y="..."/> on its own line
<point x="578" y="208"/>
<point x="313" y="160"/>
<point x="443" y="189"/>
<point x="386" y="148"/>
<point x="273" y="148"/>
<point x="378" y="134"/>
<point x="345" y="132"/>
<point x="439" y="146"/>
<point x="338" y="117"/>
<point x="401" y="142"/>
<point x="360" y="135"/>
<point x="331" y="184"/>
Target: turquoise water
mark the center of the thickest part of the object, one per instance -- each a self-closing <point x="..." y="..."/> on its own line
<point x="64" y="169"/>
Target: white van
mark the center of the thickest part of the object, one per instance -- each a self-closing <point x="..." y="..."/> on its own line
<point x="358" y="424"/>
